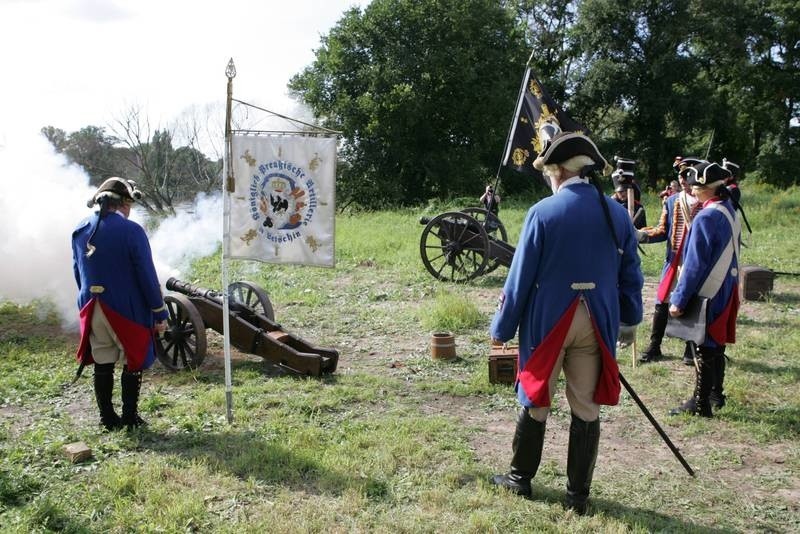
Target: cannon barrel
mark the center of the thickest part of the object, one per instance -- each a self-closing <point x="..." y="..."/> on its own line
<point x="173" y="284"/>
<point x="424" y="220"/>
<point x="252" y="328"/>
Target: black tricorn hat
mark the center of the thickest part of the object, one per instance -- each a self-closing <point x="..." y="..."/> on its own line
<point x="706" y="174"/>
<point x="567" y="145"/>
<point x="681" y="162"/>
<point x="116" y="188"/>
<point x="730" y="167"/>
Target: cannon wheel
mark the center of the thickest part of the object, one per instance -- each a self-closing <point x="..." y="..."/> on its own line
<point x="493" y="226"/>
<point x="252" y="296"/>
<point x="183" y="344"/>
<point x="448" y="253"/>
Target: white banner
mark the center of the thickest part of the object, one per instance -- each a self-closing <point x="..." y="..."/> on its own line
<point x="283" y="208"/>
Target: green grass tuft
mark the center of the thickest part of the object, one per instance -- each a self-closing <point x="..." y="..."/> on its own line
<point x="451" y="312"/>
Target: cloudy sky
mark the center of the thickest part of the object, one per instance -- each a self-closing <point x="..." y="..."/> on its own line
<point x="71" y="63"/>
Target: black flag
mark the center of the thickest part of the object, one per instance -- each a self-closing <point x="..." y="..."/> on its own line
<point x="536" y="118"/>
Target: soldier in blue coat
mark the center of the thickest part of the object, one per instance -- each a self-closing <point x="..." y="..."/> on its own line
<point x="710" y="270"/>
<point x="573" y="288"/>
<point x="119" y="298"/>
<point x="676" y="217"/>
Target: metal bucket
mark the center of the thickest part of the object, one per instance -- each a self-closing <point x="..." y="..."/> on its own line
<point x="443" y="346"/>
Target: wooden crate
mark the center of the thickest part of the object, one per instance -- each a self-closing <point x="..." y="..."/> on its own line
<point x="503" y="364"/>
<point x="755" y="282"/>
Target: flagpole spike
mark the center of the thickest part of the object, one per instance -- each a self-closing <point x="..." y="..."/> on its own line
<point x="230" y="70"/>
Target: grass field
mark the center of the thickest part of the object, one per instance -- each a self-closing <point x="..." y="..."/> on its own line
<point x="394" y="441"/>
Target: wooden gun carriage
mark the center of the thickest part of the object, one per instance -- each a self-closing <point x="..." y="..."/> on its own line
<point x="458" y="246"/>
<point x="252" y="329"/>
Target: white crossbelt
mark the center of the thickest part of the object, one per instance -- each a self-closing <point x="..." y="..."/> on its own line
<point x="720" y="270"/>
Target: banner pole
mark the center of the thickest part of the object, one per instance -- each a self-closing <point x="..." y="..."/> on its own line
<point x="227" y="188"/>
<point x="512" y="128"/>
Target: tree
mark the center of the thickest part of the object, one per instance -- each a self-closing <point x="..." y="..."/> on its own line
<point x="693" y="77"/>
<point x="153" y="158"/>
<point x="423" y="91"/>
<point x="554" y="57"/>
<point x="56" y="136"/>
<point x="632" y="78"/>
<point x="194" y="172"/>
<point x="165" y="174"/>
<point x="90" y="147"/>
<point x="199" y="133"/>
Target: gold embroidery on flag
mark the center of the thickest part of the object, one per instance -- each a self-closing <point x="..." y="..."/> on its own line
<point x="519" y="156"/>
<point x="536" y="90"/>
<point x="251" y="161"/>
<point x="315" y="162"/>
<point x="249" y="236"/>
<point x="312" y="242"/>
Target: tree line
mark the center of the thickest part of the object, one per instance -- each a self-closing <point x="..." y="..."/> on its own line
<point x="167" y="174"/>
<point x="424" y="92"/>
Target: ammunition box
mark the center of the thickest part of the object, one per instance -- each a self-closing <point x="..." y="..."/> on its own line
<point x="503" y="364"/>
<point x="755" y="282"/>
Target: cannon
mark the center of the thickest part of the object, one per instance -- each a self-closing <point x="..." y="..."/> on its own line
<point x="252" y="327"/>
<point x="458" y="246"/>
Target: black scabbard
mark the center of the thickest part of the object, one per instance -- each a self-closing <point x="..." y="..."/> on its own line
<point x="655" y="424"/>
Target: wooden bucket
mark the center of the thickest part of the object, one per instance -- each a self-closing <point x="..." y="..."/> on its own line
<point x="443" y="346"/>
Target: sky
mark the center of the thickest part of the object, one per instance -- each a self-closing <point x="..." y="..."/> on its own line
<point x="72" y="63"/>
<point x="75" y="63"/>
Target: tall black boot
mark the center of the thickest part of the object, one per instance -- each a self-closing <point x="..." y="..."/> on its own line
<point x="103" y="389"/>
<point x="699" y="403"/>
<point x="688" y="358"/>
<point x="131" y="385"/>
<point x="653" y="351"/>
<point x="584" y="438"/>
<point x="527" y="453"/>
<point x="717" y="395"/>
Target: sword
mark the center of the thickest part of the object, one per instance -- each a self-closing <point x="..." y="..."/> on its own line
<point x="655" y="424"/>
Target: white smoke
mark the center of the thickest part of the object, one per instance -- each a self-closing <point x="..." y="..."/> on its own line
<point x="43" y="197"/>
<point x="193" y="233"/>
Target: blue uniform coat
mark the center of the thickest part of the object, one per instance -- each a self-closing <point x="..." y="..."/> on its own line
<point x="711" y="232"/>
<point x="120" y="276"/>
<point x="566" y="250"/>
